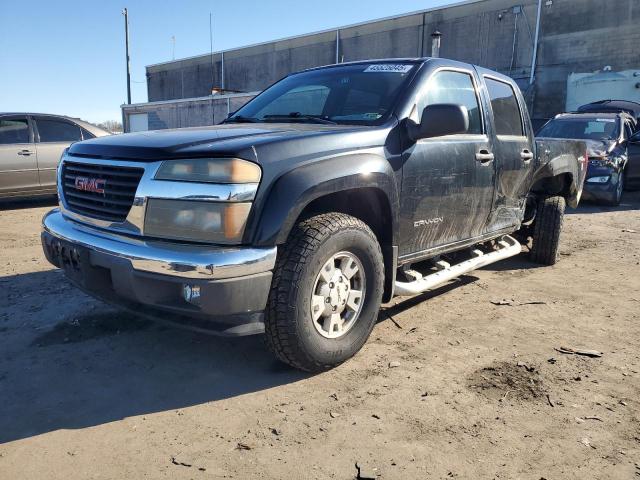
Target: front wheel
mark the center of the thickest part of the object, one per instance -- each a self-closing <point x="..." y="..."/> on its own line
<point x="326" y="292"/>
<point x="616" y="195"/>
<point x="546" y="230"/>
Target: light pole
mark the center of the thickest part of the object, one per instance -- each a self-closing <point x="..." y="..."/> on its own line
<point x="126" y="40"/>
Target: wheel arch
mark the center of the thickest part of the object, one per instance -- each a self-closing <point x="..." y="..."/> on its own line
<point x="562" y="177"/>
<point x="343" y="184"/>
<point x="363" y="186"/>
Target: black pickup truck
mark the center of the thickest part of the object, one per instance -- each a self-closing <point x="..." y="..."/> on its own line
<point x="330" y="192"/>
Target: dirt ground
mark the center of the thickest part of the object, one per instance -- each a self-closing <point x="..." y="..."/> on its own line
<point x="463" y="382"/>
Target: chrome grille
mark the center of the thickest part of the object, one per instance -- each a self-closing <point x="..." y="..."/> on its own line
<point x="120" y="185"/>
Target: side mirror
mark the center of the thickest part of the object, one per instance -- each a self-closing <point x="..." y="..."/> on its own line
<point x="231" y="114"/>
<point x="439" y="120"/>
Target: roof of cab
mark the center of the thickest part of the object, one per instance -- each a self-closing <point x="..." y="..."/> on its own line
<point x="420" y="60"/>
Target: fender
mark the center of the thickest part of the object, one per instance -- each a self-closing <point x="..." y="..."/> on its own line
<point x="562" y="169"/>
<point x="288" y="196"/>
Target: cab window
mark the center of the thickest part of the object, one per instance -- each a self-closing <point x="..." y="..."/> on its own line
<point x="452" y="87"/>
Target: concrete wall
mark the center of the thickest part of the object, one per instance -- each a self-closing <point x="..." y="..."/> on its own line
<point x="192" y="112"/>
<point x="576" y="36"/>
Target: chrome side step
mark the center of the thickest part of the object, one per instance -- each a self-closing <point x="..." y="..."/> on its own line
<point x="508" y="247"/>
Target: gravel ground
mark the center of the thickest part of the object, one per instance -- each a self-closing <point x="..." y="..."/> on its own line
<point x="463" y="382"/>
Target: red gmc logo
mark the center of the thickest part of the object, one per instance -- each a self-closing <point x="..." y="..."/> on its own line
<point x="95" y="185"/>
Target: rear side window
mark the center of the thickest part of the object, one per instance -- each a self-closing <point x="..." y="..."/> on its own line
<point x="86" y="134"/>
<point x="506" y="111"/>
<point x="14" y="131"/>
<point x="58" y="131"/>
<point x="456" y="88"/>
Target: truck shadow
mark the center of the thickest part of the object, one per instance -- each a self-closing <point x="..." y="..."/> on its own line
<point x="405" y="303"/>
<point x="70" y="362"/>
<point x="519" y="262"/>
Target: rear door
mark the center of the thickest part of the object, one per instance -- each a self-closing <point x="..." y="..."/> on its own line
<point x="447" y="182"/>
<point x="18" y="166"/>
<point x="53" y="135"/>
<point x="514" y="152"/>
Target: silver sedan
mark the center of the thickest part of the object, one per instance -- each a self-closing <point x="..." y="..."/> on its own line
<point x="30" y="147"/>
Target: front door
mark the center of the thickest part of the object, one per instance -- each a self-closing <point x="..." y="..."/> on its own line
<point x="447" y="182"/>
<point x="18" y="165"/>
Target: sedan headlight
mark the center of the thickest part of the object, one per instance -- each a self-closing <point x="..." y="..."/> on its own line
<point x="211" y="222"/>
<point x="598" y="153"/>
<point x="209" y="170"/>
<point x="603" y="179"/>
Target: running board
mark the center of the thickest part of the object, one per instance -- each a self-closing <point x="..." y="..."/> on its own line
<point x="509" y="247"/>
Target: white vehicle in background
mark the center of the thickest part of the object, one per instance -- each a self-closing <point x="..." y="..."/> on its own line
<point x="31" y="145"/>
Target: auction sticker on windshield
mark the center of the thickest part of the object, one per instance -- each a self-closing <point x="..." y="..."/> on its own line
<point x="388" y="68"/>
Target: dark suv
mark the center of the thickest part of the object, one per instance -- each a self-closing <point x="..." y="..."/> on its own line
<point x="607" y="136"/>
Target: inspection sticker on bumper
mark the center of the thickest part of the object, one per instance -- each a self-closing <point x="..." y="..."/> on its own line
<point x="388" y="68"/>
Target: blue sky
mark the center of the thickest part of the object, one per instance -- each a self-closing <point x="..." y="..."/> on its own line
<point x="67" y="56"/>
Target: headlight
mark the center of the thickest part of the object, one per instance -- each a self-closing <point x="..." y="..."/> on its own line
<point x="211" y="222"/>
<point x="598" y="179"/>
<point x="209" y="170"/>
<point x="598" y="153"/>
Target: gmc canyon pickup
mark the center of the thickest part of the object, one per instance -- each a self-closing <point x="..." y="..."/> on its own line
<point x="327" y="194"/>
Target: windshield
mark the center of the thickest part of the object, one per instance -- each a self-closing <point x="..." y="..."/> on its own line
<point x="581" y="128"/>
<point x="362" y="94"/>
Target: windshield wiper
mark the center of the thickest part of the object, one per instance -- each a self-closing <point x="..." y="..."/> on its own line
<point x="301" y="116"/>
<point x="241" y="119"/>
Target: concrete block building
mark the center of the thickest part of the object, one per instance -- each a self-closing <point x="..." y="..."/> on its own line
<point x="542" y="44"/>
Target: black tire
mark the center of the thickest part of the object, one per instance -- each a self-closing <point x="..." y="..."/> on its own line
<point x="289" y="328"/>
<point x="546" y="230"/>
<point x="616" y="196"/>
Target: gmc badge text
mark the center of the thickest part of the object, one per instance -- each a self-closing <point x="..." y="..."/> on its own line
<point x="328" y="193"/>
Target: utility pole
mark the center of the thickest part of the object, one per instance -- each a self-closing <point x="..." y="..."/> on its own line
<point x="213" y="82"/>
<point x="126" y="34"/>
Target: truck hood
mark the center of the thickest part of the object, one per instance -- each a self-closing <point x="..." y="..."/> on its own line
<point x="243" y="140"/>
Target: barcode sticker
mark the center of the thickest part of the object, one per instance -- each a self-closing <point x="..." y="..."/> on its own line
<point x="388" y="68"/>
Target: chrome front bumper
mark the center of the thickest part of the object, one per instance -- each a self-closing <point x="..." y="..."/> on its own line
<point x="158" y="279"/>
<point x="164" y="258"/>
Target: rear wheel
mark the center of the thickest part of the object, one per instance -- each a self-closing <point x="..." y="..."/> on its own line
<point x="326" y="292"/>
<point x="546" y="230"/>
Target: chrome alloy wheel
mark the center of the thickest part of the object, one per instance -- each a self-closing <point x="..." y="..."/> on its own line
<point x="338" y="295"/>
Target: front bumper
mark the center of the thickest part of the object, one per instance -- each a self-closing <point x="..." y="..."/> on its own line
<point x="600" y="191"/>
<point x="151" y="277"/>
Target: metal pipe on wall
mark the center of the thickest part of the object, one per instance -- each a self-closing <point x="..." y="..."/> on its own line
<point x="222" y="70"/>
<point x="338" y="46"/>
<point x="515" y="39"/>
<point x="535" y="45"/>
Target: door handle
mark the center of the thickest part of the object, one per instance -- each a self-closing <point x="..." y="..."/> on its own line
<point x="484" y="156"/>
<point x="26" y="153"/>
<point x="526" y="155"/>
